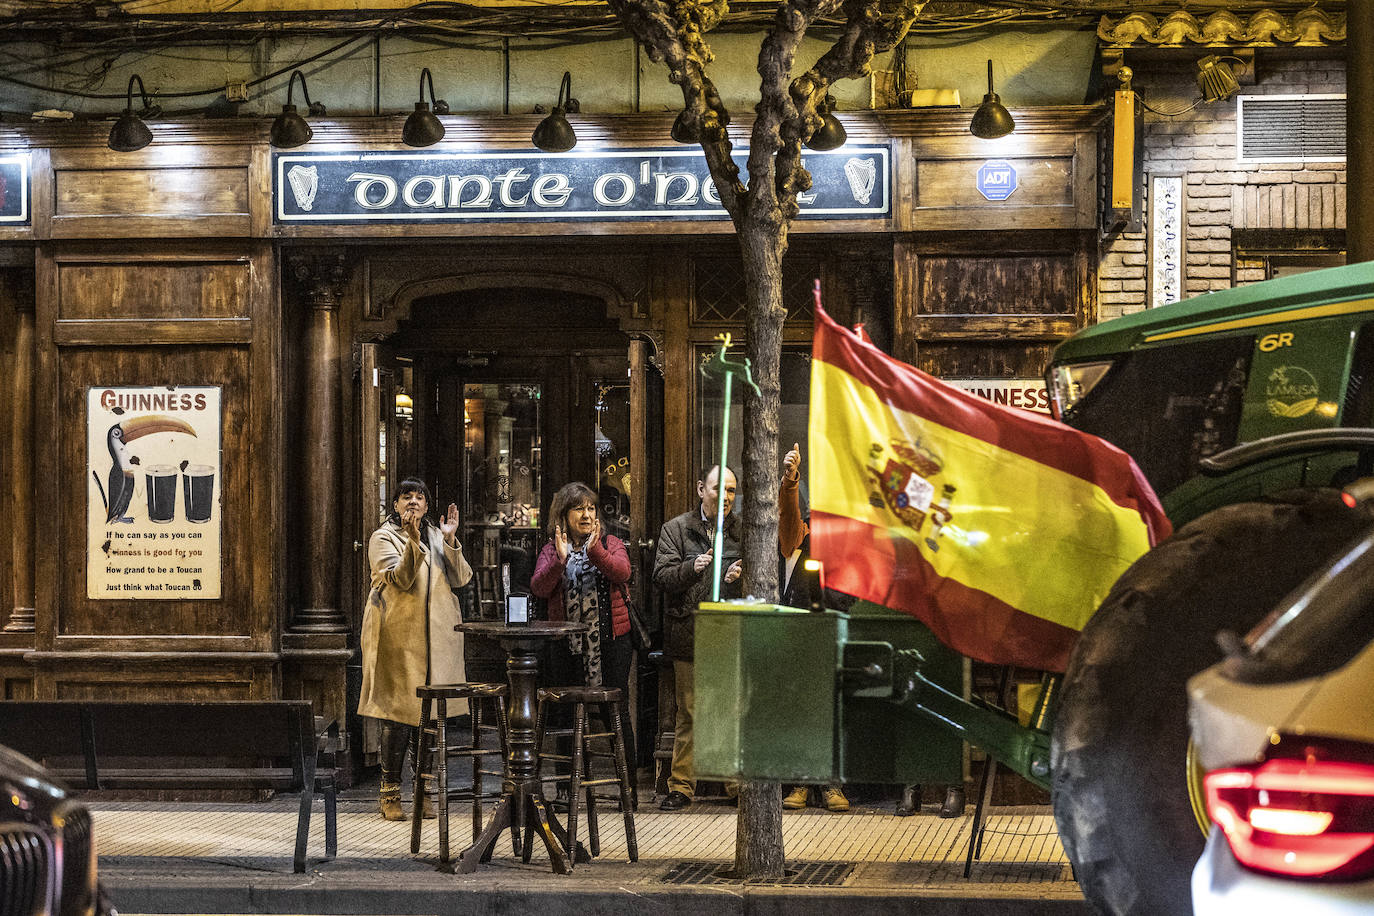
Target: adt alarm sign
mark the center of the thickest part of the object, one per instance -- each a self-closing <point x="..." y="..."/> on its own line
<point x="996" y="179"/>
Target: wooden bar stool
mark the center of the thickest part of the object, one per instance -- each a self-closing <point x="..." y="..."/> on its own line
<point x="606" y="700"/>
<point x="433" y="752"/>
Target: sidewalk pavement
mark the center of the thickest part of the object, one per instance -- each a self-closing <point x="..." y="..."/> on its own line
<point x="169" y="857"/>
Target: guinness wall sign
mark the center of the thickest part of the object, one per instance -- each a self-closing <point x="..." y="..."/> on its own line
<point x="658" y="184"/>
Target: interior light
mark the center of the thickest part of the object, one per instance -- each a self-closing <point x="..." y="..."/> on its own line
<point x="289" y="129"/>
<point x="129" y="132"/>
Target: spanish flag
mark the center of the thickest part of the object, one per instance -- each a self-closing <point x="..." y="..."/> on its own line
<point x="999" y="529"/>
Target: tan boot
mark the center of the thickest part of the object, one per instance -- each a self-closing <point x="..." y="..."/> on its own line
<point x="390" y="804"/>
<point x="427" y="811"/>
<point x="796" y="799"/>
<point x="834" y="799"/>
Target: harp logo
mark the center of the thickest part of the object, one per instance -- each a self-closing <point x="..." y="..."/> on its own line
<point x="305" y="182"/>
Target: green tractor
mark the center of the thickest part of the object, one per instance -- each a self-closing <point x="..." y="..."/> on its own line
<point x="1247" y="410"/>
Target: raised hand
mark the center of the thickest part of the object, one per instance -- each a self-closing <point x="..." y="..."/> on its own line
<point x="449" y="524"/>
<point x="560" y="543"/>
<point x="791" y="463"/>
<point x="702" y="561"/>
<point x="734" y="571"/>
<point x="410" y="522"/>
<point x="595" y="535"/>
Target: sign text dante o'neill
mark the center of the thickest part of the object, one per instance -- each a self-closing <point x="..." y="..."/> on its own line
<point x="595" y="186"/>
<point x="153" y="485"/>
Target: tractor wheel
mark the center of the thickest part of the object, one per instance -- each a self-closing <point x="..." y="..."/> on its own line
<point x="1120" y="754"/>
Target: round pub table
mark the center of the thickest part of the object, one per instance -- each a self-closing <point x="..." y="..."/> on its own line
<point x="522" y="805"/>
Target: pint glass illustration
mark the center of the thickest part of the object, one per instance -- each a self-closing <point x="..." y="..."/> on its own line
<point x="160" y="484"/>
<point x="198" y="492"/>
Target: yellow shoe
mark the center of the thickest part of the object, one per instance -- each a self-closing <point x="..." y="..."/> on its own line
<point x="796" y="799"/>
<point x="390" y="806"/>
<point x="427" y="810"/>
<point x="834" y="799"/>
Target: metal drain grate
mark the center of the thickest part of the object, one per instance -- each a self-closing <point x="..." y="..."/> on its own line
<point x="808" y="874"/>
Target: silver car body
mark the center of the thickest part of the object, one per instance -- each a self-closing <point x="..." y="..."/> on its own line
<point x="1232" y="724"/>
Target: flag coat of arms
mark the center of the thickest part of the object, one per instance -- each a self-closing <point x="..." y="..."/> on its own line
<point x="999" y="529"/>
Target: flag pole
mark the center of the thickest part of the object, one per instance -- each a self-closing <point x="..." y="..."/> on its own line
<point x="722" y="368"/>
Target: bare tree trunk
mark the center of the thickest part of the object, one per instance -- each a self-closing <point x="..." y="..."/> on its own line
<point x="763" y="239"/>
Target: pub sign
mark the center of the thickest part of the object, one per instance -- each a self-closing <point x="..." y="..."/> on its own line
<point x="852" y="182"/>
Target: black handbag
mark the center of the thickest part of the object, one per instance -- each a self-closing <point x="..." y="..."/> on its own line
<point x="639" y="633"/>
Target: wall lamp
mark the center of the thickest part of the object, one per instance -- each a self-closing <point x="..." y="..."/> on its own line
<point x="554" y="134"/>
<point x="129" y="132"/>
<point x="830" y="135"/>
<point x="991" y="120"/>
<point x="290" y="130"/>
<point x="423" y="127"/>
<point x="1216" y="79"/>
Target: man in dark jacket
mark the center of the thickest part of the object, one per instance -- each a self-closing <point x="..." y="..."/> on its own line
<point x="682" y="570"/>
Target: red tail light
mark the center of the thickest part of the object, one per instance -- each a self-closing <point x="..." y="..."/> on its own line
<point x="1305" y="818"/>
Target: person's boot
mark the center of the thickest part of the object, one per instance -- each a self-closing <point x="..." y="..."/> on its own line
<point x="911" y="801"/>
<point x="395" y="738"/>
<point x="954" y="802"/>
<point x="796" y="799"/>
<point x="834" y="799"/>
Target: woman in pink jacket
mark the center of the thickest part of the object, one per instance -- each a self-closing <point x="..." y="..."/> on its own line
<point x="584" y="574"/>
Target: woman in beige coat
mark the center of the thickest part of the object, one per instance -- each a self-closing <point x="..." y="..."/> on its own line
<point x="408" y="637"/>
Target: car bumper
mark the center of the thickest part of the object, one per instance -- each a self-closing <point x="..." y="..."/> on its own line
<point x="1224" y="887"/>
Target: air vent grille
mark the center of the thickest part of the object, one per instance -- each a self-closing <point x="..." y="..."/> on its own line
<point x="1287" y="128"/>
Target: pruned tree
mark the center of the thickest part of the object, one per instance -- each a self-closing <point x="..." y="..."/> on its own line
<point x="789" y="111"/>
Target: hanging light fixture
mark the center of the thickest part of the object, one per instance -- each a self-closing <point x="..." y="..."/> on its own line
<point x="830" y="135"/>
<point x="991" y="120"/>
<point x="423" y="127"/>
<point x="129" y="132"/>
<point x="1216" y="79"/>
<point x="290" y="130"/>
<point x="554" y="134"/>
<point x="405" y="406"/>
<point x="682" y="132"/>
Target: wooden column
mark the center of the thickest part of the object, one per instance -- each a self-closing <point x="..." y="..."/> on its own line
<point x="323" y="280"/>
<point x="21" y="616"/>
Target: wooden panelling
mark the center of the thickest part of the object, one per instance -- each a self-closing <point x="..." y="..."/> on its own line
<point x="95" y="332"/>
<point x="1040" y="182"/>
<point x="228" y="367"/>
<point x="182" y="289"/>
<point x="178" y="191"/>
<point x="163" y="192"/>
<point x="1056" y="182"/>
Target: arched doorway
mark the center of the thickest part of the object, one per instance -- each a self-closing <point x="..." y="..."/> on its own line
<point x="496" y="397"/>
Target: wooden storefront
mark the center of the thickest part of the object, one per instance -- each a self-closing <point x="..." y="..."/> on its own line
<point x="173" y="266"/>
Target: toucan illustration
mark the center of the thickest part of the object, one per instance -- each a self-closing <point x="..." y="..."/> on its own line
<point x="121" y="479"/>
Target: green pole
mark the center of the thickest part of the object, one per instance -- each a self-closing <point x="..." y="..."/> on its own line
<point x="718" y="544"/>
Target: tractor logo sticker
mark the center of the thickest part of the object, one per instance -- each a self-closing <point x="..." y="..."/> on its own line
<point x="1290" y="392"/>
<point x="905" y="481"/>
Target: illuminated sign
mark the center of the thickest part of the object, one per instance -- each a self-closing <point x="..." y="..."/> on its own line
<point x="852" y="182"/>
<point x="996" y="179"/>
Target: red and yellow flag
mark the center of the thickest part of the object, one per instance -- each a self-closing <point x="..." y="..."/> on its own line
<point x="999" y="529"/>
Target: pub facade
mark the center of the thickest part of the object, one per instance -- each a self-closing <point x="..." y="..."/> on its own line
<point x="221" y="356"/>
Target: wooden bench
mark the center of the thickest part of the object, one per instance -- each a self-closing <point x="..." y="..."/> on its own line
<point x="235" y="744"/>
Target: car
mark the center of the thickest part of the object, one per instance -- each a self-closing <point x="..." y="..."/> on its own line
<point x="47" y="851"/>
<point x="1283" y="728"/>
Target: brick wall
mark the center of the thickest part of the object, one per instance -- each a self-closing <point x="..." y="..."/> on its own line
<point x="1221" y="193"/>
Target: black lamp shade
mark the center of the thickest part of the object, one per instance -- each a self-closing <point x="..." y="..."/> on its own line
<point x="554" y="134"/>
<point x="129" y="133"/>
<point x="682" y="131"/>
<point x="991" y="120"/>
<point x="290" y="130"/>
<point x="830" y="135"/>
<point x="422" y="127"/>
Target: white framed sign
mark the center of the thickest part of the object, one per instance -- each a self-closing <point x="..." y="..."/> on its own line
<point x="1026" y="393"/>
<point x="153" y="520"/>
